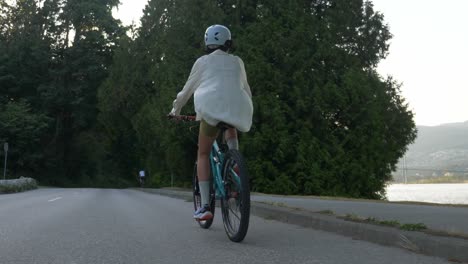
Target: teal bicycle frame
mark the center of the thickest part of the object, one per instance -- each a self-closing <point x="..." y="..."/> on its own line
<point x="216" y="163"/>
<point x="227" y="169"/>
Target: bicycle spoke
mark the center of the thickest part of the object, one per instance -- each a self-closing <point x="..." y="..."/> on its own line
<point x="236" y="204"/>
<point x="236" y="215"/>
<point x="233" y="225"/>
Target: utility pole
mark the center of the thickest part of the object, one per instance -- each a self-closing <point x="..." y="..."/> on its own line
<point x="404" y="169"/>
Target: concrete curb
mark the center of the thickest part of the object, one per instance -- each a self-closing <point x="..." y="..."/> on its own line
<point x="451" y="248"/>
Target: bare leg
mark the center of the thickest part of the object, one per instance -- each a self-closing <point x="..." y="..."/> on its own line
<point x="204" y="148"/>
<point x="203" y="166"/>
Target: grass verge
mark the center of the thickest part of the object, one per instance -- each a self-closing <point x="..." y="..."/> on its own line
<point x="391" y="223"/>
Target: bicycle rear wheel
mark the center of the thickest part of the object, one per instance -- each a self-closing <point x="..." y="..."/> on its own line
<point x="197" y="199"/>
<point x="236" y="205"/>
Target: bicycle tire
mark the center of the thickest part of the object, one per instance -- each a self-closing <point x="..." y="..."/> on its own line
<point x="237" y="195"/>
<point x="197" y="199"/>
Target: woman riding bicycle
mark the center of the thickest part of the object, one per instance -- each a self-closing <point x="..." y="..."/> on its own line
<point x="221" y="94"/>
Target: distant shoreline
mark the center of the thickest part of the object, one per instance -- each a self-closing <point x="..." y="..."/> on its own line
<point x="427" y="182"/>
<point x="436" y="180"/>
<point x="433" y="181"/>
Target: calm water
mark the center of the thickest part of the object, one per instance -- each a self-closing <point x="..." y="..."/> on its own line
<point x="432" y="193"/>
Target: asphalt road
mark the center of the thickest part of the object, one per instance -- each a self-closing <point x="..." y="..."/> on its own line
<point x="75" y="226"/>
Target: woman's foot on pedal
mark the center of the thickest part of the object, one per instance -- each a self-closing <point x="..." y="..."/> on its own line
<point x="203" y="213"/>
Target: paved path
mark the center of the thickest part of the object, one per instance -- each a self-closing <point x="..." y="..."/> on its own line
<point x="74" y="226"/>
<point x="445" y="218"/>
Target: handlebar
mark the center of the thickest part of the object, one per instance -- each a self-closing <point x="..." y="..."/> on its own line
<point x="186" y="118"/>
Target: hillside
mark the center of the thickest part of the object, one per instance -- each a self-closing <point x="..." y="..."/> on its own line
<point x="437" y="151"/>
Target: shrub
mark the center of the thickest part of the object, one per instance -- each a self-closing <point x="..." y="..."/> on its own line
<point x="17" y="185"/>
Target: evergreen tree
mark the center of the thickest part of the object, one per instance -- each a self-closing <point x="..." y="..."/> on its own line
<point x="82" y="68"/>
<point x="24" y="58"/>
<point x="322" y="113"/>
<point x="23" y="130"/>
<point x="54" y="55"/>
<point x="93" y="101"/>
<point x="325" y="123"/>
<point x="24" y="51"/>
<point x="149" y="72"/>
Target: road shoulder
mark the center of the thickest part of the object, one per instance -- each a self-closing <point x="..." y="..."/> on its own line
<point x="427" y="242"/>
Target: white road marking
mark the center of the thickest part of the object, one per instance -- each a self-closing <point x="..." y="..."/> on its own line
<point x="55" y="199"/>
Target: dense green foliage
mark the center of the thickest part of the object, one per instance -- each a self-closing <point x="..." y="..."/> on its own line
<point x="325" y="122"/>
<point x="54" y="55"/>
<point x="19" y="125"/>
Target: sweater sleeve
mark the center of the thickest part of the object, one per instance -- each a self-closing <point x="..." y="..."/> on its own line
<point x="244" y="78"/>
<point x="189" y="88"/>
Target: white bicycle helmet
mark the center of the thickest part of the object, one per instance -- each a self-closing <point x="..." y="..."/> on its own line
<point x="216" y="36"/>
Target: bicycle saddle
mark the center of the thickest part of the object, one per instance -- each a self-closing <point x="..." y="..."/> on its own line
<point x="222" y="125"/>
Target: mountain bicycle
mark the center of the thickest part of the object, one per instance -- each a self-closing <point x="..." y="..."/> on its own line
<point x="229" y="185"/>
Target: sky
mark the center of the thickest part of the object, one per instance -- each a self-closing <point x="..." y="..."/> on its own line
<point x="428" y="54"/>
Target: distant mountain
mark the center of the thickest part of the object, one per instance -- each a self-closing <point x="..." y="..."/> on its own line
<point x="438" y="150"/>
<point x="443" y="137"/>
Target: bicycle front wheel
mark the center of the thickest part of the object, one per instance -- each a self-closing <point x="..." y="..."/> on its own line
<point x="236" y="205"/>
<point x="197" y="199"/>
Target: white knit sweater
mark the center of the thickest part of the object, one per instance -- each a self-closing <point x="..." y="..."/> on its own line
<point x="222" y="93"/>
